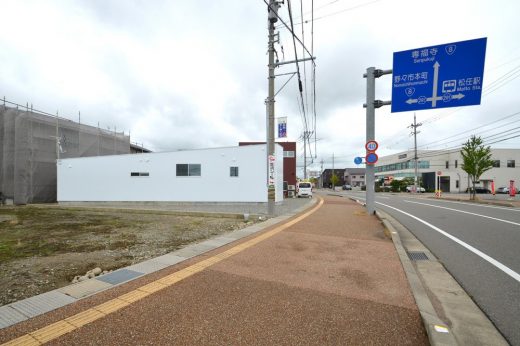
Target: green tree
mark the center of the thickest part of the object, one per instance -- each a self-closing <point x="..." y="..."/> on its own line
<point x="396" y="185"/>
<point x="476" y="159"/>
<point x="334" y="180"/>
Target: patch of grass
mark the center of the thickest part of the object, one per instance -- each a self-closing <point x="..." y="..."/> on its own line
<point x="47" y="231"/>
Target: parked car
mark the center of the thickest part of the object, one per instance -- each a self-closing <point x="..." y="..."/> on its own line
<point x="346" y="187"/>
<point x="479" y="190"/>
<point x="505" y="189"/>
<point x="410" y="188"/>
<point x="502" y="189"/>
<point x="304" y="189"/>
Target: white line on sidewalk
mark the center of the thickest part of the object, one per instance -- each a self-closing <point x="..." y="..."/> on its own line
<point x="479" y="253"/>
<point x="465" y="212"/>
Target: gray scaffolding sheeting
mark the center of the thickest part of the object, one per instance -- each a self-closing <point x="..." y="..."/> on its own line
<point x="28" y="151"/>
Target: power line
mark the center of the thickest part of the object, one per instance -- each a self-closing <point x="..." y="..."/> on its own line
<point x="340" y="11"/>
<point x="473" y="129"/>
<point x="287" y="27"/>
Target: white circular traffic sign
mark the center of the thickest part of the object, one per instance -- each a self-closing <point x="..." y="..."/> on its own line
<point x="371" y="146"/>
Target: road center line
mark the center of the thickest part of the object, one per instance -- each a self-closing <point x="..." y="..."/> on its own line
<point x="465" y="212"/>
<point x="477" y="252"/>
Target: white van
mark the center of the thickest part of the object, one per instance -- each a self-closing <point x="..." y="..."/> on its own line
<point x="304" y="189"/>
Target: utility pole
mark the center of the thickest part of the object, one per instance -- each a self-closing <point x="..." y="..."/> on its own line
<point x="272" y="15"/>
<point x="305" y="155"/>
<point x="414" y="127"/>
<point x="272" y="19"/>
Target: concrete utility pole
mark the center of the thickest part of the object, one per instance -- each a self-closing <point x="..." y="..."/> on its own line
<point x="305" y="155"/>
<point x="272" y="19"/>
<point x="371" y="106"/>
<point x="272" y="15"/>
<point x="414" y="126"/>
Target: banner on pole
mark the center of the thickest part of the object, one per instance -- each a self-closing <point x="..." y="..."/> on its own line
<point x="282" y="127"/>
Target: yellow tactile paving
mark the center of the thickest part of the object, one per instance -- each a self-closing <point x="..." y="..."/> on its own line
<point x="52" y="331"/>
<point x="84" y="317"/>
<point x="25" y="340"/>
<point x="112" y="306"/>
<point x="169" y="280"/>
<point x="152" y="287"/>
<point x="69" y="324"/>
<point x="182" y="274"/>
<point x="135" y="295"/>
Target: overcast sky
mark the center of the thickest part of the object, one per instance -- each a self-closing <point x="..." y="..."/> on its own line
<point x="193" y="74"/>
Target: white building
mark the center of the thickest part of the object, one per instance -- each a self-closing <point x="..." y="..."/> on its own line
<point x="232" y="174"/>
<point x="448" y="164"/>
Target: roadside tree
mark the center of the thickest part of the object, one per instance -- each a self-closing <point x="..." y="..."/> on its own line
<point x="334" y="179"/>
<point x="476" y="160"/>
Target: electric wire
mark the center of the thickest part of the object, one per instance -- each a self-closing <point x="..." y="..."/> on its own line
<point x="340" y="11"/>
<point x="287" y="27"/>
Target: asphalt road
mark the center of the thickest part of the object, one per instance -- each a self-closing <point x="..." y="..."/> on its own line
<point x="478" y="244"/>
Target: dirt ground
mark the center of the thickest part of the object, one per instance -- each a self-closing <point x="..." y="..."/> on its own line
<point x="42" y="249"/>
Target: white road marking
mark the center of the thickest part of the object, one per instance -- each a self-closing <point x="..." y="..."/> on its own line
<point x="480" y="205"/>
<point x="466" y="212"/>
<point x="477" y="252"/>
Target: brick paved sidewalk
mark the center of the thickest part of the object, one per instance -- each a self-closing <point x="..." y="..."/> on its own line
<point x="330" y="278"/>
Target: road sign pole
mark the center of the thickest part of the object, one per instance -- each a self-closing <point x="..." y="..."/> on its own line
<point x="371" y="105"/>
<point x="370" y="136"/>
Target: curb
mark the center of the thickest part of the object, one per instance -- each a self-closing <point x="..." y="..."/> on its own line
<point x="450" y="316"/>
<point x="28" y="308"/>
<point x="438" y="332"/>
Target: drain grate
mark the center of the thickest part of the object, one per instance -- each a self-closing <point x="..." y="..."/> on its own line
<point x="417" y="256"/>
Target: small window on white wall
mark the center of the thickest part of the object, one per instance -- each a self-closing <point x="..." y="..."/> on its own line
<point x="139" y="174"/>
<point x="233" y="171"/>
<point x="188" y="170"/>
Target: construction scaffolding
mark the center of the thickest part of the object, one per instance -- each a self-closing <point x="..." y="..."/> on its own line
<point x="31" y="142"/>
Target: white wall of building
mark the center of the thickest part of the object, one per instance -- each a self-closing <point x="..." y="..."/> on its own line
<point x="108" y="178"/>
<point x="436" y="162"/>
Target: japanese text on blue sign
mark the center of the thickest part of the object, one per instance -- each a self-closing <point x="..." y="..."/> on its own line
<point x="449" y="75"/>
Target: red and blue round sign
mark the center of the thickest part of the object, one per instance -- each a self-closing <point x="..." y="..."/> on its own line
<point x="371" y="158"/>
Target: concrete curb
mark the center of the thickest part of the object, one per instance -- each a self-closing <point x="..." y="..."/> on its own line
<point x="25" y="309"/>
<point x="438" y="331"/>
<point x="449" y="314"/>
<point x="155" y="211"/>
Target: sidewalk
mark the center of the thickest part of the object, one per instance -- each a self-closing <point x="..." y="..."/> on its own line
<point x="328" y="276"/>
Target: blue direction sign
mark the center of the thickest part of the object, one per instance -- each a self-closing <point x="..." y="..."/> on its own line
<point x="358" y="160"/>
<point x="447" y="75"/>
